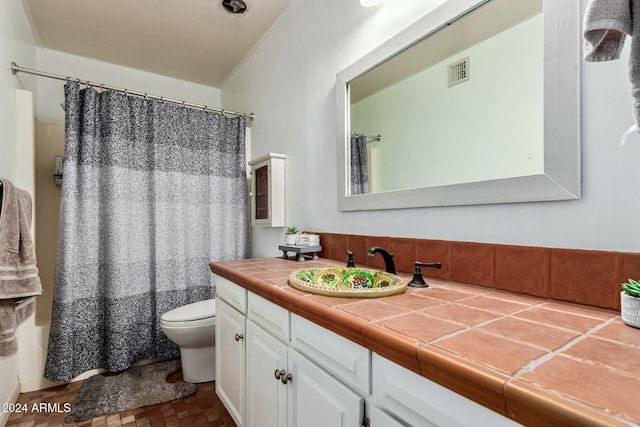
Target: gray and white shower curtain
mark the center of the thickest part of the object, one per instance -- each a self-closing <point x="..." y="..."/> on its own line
<point x="152" y="192"/>
<point x="359" y="165"/>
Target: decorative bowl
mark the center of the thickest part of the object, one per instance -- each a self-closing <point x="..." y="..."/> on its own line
<point x="352" y="282"/>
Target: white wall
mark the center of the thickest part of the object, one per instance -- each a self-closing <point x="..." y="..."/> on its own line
<point x="289" y="82"/>
<point x="16" y="44"/>
<point x="51" y="92"/>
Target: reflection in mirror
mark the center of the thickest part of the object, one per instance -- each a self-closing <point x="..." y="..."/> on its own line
<point x="477" y="102"/>
<point x="463" y="105"/>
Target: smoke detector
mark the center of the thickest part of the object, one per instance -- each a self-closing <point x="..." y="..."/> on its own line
<point x="236" y="7"/>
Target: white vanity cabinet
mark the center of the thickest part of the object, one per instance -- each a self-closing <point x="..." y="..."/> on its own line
<point x="417" y="401"/>
<point x="277" y="369"/>
<point x="262" y="380"/>
<point x="231" y="308"/>
<point x="266" y="394"/>
<point x="317" y="399"/>
<point x="230" y="360"/>
<point x="285" y="389"/>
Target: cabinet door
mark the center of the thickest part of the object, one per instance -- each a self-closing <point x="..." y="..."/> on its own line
<point x="378" y="418"/>
<point x="418" y="401"/>
<point x="230" y="359"/>
<point x="267" y="190"/>
<point x="316" y="399"/>
<point x="266" y="395"/>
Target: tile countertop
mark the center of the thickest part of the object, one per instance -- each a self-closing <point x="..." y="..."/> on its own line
<point x="537" y="361"/>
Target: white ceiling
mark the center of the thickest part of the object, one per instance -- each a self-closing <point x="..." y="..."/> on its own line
<point x="192" y="40"/>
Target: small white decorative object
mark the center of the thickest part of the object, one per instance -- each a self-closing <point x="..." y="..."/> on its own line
<point x="630" y="309"/>
<point x="630" y="303"/>
<point x="290" y="238"/>
<point x="308" y="240"/>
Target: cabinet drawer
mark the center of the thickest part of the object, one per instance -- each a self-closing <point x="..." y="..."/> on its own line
<point x="269" y="316"/>
<point x="232" y="294"/>
<point x="418" y="401"/>
<point x="345" y="359"/>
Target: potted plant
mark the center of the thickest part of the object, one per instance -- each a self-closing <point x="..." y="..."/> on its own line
<point x="290" y="237"/>
<point x="630" y="303"/>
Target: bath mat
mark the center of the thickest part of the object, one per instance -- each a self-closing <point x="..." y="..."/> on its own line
<point x="111" y="393"/>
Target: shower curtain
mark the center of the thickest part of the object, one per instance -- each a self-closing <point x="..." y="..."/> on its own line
<point x="152" y="192"/>
<point x="359" y="165"/>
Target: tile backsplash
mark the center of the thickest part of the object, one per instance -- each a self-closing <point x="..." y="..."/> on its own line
<point x="579" y="276"/>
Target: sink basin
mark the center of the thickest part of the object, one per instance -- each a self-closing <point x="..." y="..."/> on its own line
<point x="347" y="282"/>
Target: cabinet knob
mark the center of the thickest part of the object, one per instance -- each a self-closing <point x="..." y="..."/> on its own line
<point x="285" y="379"/>
<point x="279" y="374"/>
<point x="238" y="337"/>
<point x="282" y="376"/>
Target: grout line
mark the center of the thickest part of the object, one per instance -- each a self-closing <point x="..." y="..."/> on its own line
<point x="542" y="359"/>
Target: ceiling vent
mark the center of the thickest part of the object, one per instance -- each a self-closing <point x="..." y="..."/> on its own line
<point x="459" y="72"/>
<point x="236" y="7"/>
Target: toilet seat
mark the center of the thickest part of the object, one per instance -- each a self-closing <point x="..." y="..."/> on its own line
<point x="209" y="321"/>
<point x="196" y="314"/>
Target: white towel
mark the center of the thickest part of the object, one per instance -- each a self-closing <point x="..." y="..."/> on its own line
<point x="606" y="25"/>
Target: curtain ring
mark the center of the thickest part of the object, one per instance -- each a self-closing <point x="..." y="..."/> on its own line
<point x="102" y="87"/>
<point x="126" y="92"/>
<point x="204" y="109"/>
<point x="146" y="96"/>
<point x="162" y="100"/>
<point x="183" y="102"/>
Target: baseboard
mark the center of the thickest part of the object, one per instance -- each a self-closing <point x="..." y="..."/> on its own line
<point x="13" y="398"/>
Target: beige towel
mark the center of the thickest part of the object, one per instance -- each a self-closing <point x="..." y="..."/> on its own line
<point x="607" y="23"/>
<point x="18" y="271"/>
<point x="12" y="315"/>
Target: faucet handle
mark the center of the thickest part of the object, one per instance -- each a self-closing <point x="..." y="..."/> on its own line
<point x="350" y="262"/>
<point x="418" y="280"/>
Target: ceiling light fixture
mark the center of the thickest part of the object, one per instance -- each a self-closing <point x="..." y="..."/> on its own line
<point x="370" y="3"/>
<point x="235" y="6"/>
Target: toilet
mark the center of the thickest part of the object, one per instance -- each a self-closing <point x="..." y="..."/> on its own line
<point x="192" y="328"/>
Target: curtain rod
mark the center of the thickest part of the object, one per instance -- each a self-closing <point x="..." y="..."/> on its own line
<point x="15" y="69"/>
<point x="375" y="137"/>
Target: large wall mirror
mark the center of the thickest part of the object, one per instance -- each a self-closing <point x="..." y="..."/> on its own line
<point x="477" y="102"/>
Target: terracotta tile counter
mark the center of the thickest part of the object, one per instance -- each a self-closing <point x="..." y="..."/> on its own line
<point x="537" y="361"/>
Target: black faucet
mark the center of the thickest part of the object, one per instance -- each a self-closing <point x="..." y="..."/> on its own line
<point x="418" y="280"/>
<point x="390" y="267"/>
<point x="350" y="262"/>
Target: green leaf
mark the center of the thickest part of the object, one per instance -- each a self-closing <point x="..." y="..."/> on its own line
<point x="630" y="290"/>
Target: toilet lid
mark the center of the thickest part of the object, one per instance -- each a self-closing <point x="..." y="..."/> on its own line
<point x="189" y="312"/>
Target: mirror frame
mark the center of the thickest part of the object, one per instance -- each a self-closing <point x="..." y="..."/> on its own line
<point x="561" y="177"/>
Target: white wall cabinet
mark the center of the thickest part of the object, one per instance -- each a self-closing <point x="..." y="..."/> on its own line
<point x="267" y="190"/>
